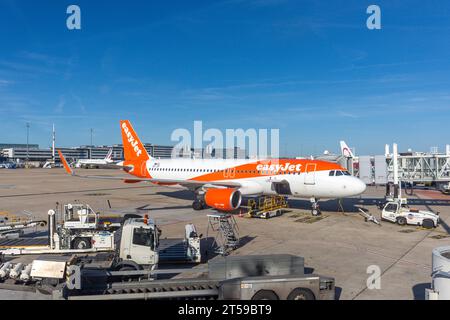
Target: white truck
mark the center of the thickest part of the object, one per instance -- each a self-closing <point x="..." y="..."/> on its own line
<point x="398" y="211"/>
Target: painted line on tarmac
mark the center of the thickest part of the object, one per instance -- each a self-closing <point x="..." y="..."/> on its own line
<point x="63" y="192"/>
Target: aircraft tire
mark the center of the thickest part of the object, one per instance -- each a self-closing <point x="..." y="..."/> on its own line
<point x="197" y="205"/>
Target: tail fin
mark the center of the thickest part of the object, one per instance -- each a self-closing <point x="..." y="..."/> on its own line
<point x="65" y="164"/>
<point x="346" y="151"/>
<point x="109" y="155"/>
<point x="133" y="148"/>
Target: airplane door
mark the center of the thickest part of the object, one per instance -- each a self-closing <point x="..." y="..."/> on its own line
<point x="282" y="187"/>
<point x="229" y="173"/>
<point x="310" y="174"/>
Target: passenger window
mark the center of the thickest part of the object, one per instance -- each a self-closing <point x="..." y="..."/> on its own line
<point x="143" y="237"/>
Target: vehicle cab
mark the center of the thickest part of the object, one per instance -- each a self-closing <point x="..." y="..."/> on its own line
<point x="138" y="239"/>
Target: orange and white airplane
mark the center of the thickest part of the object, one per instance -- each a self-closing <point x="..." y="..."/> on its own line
<point x="221" y="183"/>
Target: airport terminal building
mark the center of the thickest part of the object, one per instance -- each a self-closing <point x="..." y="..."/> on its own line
<point x="20" y="153"/>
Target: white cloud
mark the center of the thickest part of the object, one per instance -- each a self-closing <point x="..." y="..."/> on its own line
<point x="60" y="106"/>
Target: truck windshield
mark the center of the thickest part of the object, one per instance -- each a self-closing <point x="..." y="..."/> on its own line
<point x="143" y="237"/>
<point x="391" y="207"/>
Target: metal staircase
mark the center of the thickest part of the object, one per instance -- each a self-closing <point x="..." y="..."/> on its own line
<point x="227" y="233"/>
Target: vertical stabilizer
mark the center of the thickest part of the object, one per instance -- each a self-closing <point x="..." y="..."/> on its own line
<point x="346" y="151"/>
<point x="133" y="148"/>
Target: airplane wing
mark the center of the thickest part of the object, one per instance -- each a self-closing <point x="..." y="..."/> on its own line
<point x="186" y="183"/>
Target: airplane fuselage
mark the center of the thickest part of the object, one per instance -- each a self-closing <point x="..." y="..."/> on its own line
<point x="83" y="162"/>
<point x="301" y="178"/>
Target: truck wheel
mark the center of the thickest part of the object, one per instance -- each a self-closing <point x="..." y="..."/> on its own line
<point x="127" y="278"/>
<point x="127" y="268"/>
<point x="428" y="223"/>
<point x="265" y="295"/>
<point x="401" y="221"/>
<point x="81" y="243"/>
<point x="301" y="294"/>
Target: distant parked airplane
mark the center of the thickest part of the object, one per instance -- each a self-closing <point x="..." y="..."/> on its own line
<point x="83" y="163"/>
<point x="346" y="152"/>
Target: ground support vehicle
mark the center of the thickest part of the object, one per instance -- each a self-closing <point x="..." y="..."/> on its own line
<point x="266" y="207"/>
<point x="399" y="212"/>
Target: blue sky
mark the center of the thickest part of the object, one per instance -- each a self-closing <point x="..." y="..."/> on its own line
<point x="310" y="68"/>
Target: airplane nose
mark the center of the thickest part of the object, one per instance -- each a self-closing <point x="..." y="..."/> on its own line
<point x="354" y="186"/>
<point x="360" y="186"/>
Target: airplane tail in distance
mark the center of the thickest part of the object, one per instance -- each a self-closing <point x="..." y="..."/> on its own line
<point x="133" y="148"/>
<point x="346" y="151"/>
<point x="109" y="155"/>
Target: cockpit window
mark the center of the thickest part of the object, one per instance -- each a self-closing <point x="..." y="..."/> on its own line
<point x="335" y="173"/>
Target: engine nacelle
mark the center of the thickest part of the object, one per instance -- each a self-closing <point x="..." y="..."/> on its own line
<point x="223" y="199"/>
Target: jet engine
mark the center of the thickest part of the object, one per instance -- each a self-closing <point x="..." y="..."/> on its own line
<point x="223" y="199"/>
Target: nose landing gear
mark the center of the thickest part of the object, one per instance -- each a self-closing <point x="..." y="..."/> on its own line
<point x="315" y="209"/>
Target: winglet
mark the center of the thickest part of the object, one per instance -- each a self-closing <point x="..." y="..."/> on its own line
<point x="65" y="164"/>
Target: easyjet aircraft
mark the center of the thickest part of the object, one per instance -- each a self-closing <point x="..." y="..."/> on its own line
<point x="221" y="183"/>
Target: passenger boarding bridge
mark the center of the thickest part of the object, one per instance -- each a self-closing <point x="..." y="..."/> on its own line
<point x="421" y="168"/>
<point x="415" y="167"/>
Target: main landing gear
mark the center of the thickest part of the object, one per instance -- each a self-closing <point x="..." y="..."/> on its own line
<point x="199" y="202"/>
<point x="198" y="205"/>
<point x="315" y="209"/>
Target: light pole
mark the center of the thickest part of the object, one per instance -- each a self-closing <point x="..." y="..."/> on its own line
<point x="91" y="146"/>
<point x="28" y="134"/>
<point x="53" y="144"/>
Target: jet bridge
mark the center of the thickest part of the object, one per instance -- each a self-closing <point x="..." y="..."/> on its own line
<point x="421" y="167"/>
<point x="417" y="167"/>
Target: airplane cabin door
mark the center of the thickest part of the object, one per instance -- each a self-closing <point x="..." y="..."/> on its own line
<point x="229" y="173"/>
<point x="310" y="174"/>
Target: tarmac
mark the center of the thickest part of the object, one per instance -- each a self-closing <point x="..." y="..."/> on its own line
<point x="338" y="244"/>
